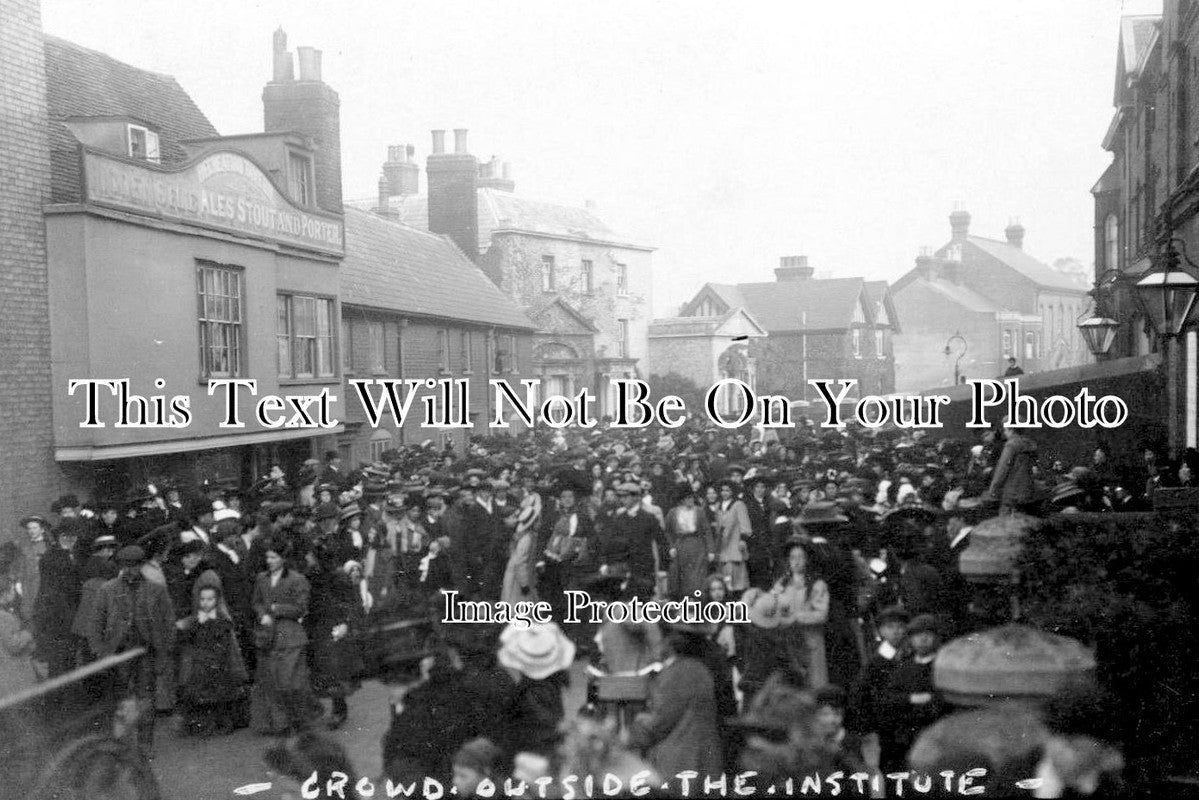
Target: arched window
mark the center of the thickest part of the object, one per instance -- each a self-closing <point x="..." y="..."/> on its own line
<point x="1111" y="242"/>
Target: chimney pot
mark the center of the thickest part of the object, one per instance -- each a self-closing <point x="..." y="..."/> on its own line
<point x="507" y="171"/>
<point x="310" y="63"/>
<point x="395" y="152"/>
<point x="410" y="153"/>
<point x="283" y="69"/>
<point x="460" y="141"/>
<point x="438" y="142"/>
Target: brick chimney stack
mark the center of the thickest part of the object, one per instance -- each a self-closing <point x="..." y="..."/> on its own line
<point x="400" y="172"/>
<point x="793" y="268"/>
<point x="310" y="107"/>
<point x="495" y="174"/>
<point x="1015" y="234"/>
<point x="959" y="224"/>
<point x="453" y="197"/>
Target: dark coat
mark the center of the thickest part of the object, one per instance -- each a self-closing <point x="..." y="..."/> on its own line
<point x="132" y="610"/>
<point x="57" y="599"/>
<point x="1012" y="481"/>
<point x="286" y="603"/>
<point x="901" y="720"/>
<point x="629" y="540"/>
<point x="534" y="716"/>
<point x="679" y="730"/>
<point x="237" y="586"/>
<point x="334" y="601"/>
<point x="433" y="724"/>
<point x="864" y="712"/>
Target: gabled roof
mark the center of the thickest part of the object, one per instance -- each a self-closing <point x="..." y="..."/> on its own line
<point x="1138" y="35"/>
<point x="792" y="305"/>
<point x="541" y="313"/>
<point x="704" y="326"/>
<point x="961" y="295"/>
<point x="1041" y="274"/>
<point x="399" y="268"/>
<point x="86" y="83"/>
<point x="504" y="211"/>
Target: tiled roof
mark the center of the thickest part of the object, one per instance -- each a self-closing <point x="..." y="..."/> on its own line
<point x="399" y="268"/>
<point x="1014" y="257"/>
<point x="966" y="298"/>
<point x="824" y="304"/>
<point x="85" y="83"/>
<point x="500" y="210"/>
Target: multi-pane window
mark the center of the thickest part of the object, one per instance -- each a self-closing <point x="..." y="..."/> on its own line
<point x="299" y="178"/>
<point x="1111" y="241"/>
<point x="443" y="352"/>
<point x="856" y="342"/>
<point x="304" y="335"/>
<point x="1007" y="343"/>
<point x="505" y="354"/>
<point x="622" y="278"/>
<point x="220" y="314"/>
<point x="1030" y="345"/>
<point x="467" y="350"/>
<point x="879" y="343"/>
<point x="622" y="338"/>
<point x="378" y="361"/>
<point x="548" y="278"/>
<point x="347" y="350"/>
<point x="588" y="277"/>
<point x="143" y="144"/>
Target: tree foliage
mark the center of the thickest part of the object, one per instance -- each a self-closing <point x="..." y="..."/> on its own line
<point x="1125" y="585"/>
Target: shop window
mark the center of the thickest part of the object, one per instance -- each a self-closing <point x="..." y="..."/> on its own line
<point x="380" y="443"/>
<point x="220" y="315"/>
<point x="304" y="333"/>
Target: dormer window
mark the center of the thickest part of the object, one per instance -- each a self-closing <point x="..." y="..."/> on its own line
<point x="299" y="178"/>
<point x="143" y="144"/>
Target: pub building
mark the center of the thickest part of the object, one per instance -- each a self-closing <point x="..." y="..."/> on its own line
<point x="177" y="256"/>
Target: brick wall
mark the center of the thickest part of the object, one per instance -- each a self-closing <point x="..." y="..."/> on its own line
<point x="780" y="360"/>
<point x="313" y="109"/>
<point x="422" y="358"/>
<point x="29" y="479"/>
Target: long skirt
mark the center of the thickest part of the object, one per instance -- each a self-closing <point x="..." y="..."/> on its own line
<point x="805" y="644"/>
<point x="689" y="570"/>
<point x="735" y="575"/>
<point x="282" y="699"/>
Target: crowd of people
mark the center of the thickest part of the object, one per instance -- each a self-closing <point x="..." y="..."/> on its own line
<point x="249" y="605"/>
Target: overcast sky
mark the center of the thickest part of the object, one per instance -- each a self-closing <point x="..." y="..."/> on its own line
<point x="725" y="134"/>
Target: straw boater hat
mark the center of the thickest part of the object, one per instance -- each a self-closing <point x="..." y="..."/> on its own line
<point x="536" y="652"/>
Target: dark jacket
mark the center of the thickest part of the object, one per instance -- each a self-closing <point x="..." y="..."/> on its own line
<point x="433" y="723"/>
<point x="287" y="604"/>
<point x="131" y="611"/>
<point x="679" y="729"/>
<point x="1012" y="482"/>
<point x="58" y="596"/>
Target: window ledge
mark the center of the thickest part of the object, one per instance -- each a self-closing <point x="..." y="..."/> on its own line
<point x="325" y="381"/>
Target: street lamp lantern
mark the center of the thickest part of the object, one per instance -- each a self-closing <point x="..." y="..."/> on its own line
<point x="960" y="349"/>
<point x="1168" y="295"/>
<point x="1099" y="334"/>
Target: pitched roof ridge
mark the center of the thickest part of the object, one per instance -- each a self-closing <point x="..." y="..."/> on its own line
<point x="101" y="54"/>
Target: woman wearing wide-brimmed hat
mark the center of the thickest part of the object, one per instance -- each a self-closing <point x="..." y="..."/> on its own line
<point x="761" y="645"/>
<point x="520" y="575"/>
<point x="537" y="659"/>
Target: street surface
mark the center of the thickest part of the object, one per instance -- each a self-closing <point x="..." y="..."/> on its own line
<point x="192" y="768"/>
